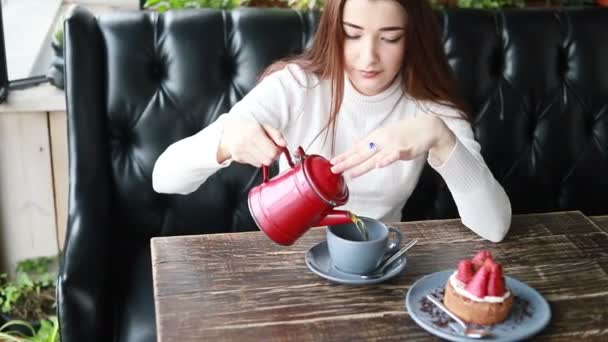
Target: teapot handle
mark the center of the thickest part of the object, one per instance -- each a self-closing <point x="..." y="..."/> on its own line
<point x="266" y="169"/>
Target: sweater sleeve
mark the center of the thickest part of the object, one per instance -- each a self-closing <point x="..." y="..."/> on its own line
<point x="185" y="165"/>
<point x="482" y="203"/>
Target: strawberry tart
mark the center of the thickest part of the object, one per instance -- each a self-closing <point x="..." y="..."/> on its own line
<point x="476" y="292"/>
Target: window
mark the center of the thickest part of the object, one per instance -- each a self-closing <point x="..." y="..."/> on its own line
<point x="28" y="25"/>
<point x="28" y="29"/>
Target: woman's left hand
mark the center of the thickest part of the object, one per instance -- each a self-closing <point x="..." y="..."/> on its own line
<point x="404" y="140"/>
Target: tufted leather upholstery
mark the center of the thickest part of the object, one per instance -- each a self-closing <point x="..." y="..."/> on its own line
<point x="136" y="82"/>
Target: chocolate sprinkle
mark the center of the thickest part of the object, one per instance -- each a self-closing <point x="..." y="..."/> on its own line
<point x="438" y="318"/>
<point x="522" y="310"/>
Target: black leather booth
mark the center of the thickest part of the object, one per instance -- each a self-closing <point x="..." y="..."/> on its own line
<point x="136" y="82"/>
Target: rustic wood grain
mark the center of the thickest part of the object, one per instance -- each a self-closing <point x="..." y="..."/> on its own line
<point x="27" y="213"/>
<point x="600" y="221"/>
<point x="58" y="135"/>
<point x="235" y="287"/>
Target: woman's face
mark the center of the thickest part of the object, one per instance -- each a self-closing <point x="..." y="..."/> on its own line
<point x="374" y="43"/>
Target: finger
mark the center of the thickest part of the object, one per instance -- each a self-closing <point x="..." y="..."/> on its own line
<point x="275" y="135"/>
<point x="251" y="153"/>
<point x="267" y="145"/>
<point x="362" y="168"/>
<point x="247" y="157"/>
<point x="347" y="154"/>
<point x="268" y="153"/>
<point x="253" y="156"/>
<point x="359" y="156"/>
<point x="261" y="156"/>
<point x="348" y="163"/>
<point x="386" y="159"/>
<point x="341" y="157"/>
<point x="345" y="164"/>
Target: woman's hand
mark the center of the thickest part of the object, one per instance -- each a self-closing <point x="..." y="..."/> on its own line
<point x="404" y="140"/>
<point x="248" y="142"/>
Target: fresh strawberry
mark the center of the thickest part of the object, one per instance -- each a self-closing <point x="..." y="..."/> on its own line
<point x="478" y="286"/>
<point x="496" y="284"/>
<point x="480" y="258"/>
<point x="489" y="262"/>
<point x="465" y="271"/>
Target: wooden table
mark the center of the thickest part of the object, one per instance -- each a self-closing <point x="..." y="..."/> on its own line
<point x="241" y="287"/>
<point x="600" y="221"/>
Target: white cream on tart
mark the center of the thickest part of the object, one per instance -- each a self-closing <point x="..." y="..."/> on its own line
<point x="459" y="287"/>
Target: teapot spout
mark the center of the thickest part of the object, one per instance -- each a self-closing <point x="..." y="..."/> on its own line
<point x="335" y="217"/>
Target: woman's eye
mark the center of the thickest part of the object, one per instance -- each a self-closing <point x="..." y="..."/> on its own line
<point x="392" y="40"/>
<point x="349" y="36"/>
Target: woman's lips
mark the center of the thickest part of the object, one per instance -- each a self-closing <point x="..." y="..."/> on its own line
<point x="369" y="74"/>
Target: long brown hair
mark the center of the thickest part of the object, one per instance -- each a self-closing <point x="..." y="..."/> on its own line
<point x="426" y="74"/>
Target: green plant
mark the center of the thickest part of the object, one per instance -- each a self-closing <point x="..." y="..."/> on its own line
<point x="34" y="279"/>
<point x="306" y="4"/>
<point x="48" y="331"/>
<point x="38" y="265"/>
<point x="164" y="5"/>
<point x="58" y="35"/>
<point x="58" y="30"/>
<point x="491" y="3"/>
<point x="30" y="299"/>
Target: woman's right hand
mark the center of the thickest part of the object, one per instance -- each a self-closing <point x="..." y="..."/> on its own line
<point x="248" y="142"/>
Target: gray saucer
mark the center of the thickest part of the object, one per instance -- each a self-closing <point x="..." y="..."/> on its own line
<point x="319" y="261"/>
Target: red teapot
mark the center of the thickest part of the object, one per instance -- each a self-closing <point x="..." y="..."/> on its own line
<point x="289" y="204"/>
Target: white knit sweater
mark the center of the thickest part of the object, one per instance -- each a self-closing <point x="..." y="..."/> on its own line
<point x="298" y="104"/>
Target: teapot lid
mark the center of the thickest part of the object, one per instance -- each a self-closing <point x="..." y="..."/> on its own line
<point x="329" y="186"/>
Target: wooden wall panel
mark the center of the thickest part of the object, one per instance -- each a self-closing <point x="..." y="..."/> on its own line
<point x="27" y="213"/>
<point x="59" y="157"/>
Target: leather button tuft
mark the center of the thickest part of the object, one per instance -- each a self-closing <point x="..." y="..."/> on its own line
<point x="157" y="70"/>
<point x="498" y="63"/>
<point x="121" y="137"/>
<point x="228" y="68"/>
<point x="562" y="60"/>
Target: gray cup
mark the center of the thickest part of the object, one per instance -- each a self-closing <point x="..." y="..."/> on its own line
<point x="351" y="254"/>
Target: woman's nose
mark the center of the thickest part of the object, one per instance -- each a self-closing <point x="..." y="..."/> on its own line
<point x="369" y="53"/>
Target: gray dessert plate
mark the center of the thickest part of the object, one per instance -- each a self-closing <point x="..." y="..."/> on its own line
<point x="530" y="314"/>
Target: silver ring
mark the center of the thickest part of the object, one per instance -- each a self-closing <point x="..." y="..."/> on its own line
<point x="372" y="146"/>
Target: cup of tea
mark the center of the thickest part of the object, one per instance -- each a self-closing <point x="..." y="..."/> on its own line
<point x="351" y="253"/>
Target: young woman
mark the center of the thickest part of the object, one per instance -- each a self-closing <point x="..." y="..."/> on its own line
<point x="375" y="95"/>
